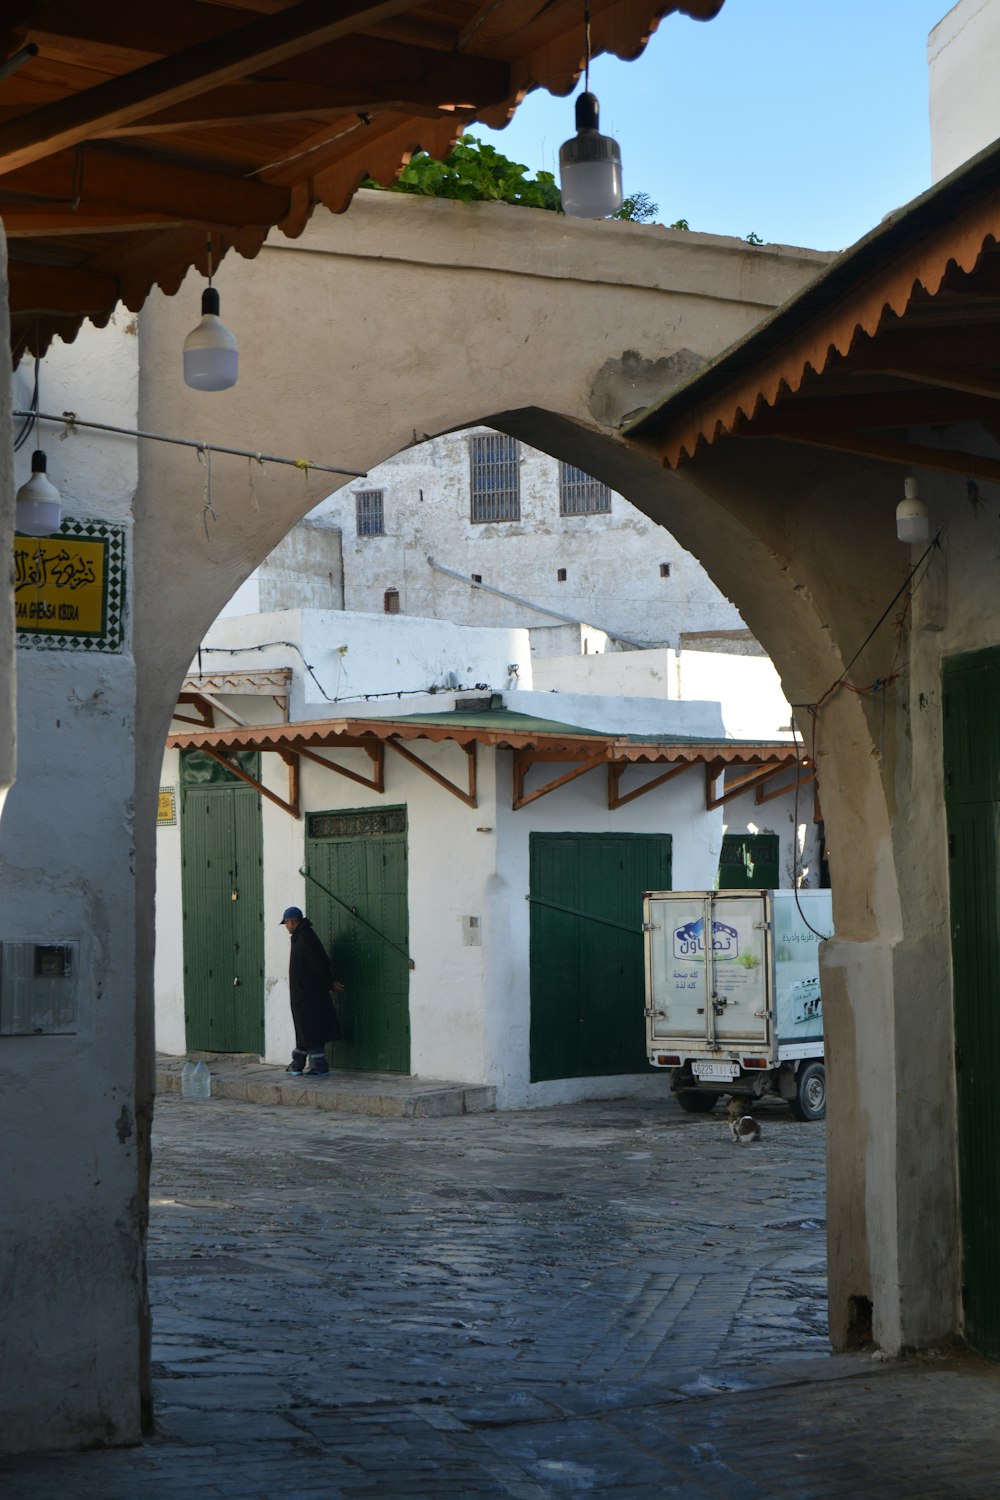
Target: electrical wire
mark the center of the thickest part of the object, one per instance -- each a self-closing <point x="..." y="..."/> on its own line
<point x="475" y="687"/>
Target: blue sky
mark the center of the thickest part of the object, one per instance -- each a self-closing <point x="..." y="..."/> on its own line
<point x="802" y="121"/>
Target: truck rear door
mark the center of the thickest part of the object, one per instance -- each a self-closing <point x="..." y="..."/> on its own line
<point x="708" y="959"/>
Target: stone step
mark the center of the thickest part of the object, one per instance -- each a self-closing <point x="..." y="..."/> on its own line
<point x="389" y="1095"/>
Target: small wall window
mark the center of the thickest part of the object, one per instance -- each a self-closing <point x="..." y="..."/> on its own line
<point x="390" y="602"/>
<point x="496" y="486"/>
<point x="561" y="575"/>
<point x="371" y="520"/>
<point x="664" y="570"/>
<point x="580" y="495"/>
<point x="477" y="577"/>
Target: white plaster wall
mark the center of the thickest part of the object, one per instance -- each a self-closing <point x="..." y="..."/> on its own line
<point x="748" y="687"/>
<point x="962" y="53"/>
<point x="168" y="978"/>
<point x="612" y="561"/>
<point x="652" y="716"/>
<point x="388" y="657"/>
<point x="70" y="1248"/>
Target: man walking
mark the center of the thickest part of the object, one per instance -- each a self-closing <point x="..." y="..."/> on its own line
<point x="310" y="980"/>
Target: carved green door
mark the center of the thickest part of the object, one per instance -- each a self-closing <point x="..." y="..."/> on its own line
<point x="359" y="857"/>
<point x="586" y="953"/>
<point x="222" y="891"/>
<point x="972" y="799"/>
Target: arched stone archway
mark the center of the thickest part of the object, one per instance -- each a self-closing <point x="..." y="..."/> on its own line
<point x="408" y="318"/>
<point x="401" y="318"/>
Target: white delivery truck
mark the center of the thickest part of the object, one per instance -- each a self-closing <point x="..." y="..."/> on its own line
<point x="733" y="1003"/>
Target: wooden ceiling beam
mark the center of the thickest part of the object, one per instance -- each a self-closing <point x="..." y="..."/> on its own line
<point x="948" y="380"/>
<point x="890" y="408"/>
<point x="885" y="450"/>
<point x="184" y="75"/>
<point x="60" y="289"/>
<point x="139" y="184"/>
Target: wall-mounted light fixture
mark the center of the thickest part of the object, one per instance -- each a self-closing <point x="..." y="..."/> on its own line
<point x="590" y="164"/>
<point x="912" y="522"/>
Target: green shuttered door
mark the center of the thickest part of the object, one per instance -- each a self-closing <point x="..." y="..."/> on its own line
<point x="587" y="977"/>
<point x="223" y="899"/>
<point x="361" y="857"/>
<point x="972" y="795"/>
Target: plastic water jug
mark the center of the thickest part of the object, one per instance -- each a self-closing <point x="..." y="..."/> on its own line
<point x="201" y="1081"/>
<point x="187" y="1079"/>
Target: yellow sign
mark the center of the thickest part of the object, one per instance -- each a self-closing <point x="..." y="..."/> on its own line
<point x="166" y="811"/>
<point x="60" y="584"/>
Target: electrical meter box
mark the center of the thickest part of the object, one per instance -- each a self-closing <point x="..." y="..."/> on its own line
<point x="39" y="985"/>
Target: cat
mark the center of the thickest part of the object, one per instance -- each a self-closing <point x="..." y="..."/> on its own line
<point x="743" y="1127"/>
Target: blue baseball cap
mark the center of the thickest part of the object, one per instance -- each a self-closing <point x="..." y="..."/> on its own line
<point x="292" y="912"/>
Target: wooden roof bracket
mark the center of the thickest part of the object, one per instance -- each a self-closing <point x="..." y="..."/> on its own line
<point x="525" y="759"/>
<point x="805" y="777"/>
<point x="616" y="769"/>
<point x="375" y="753"/>
<point x="755" y="778"/>
<point x="469" y="797"/>
<point x="291" y="806"/>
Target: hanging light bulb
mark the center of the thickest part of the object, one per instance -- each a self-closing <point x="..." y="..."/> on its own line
<point x="590" y="165"/>
<point x="38" y="505"/>
<point x="912" y="522"/>
<point x="211" y="354"/>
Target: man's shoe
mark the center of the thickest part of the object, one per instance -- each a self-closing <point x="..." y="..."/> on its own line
<point x="318" y="1073"/>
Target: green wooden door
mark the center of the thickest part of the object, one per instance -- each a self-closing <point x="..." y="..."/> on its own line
<point x="972" y="800"/>
<point x="749" y="862"/>
<point x="222" y="892"/>
<point x="586" y="955"/>
<point x="360" y="857"/>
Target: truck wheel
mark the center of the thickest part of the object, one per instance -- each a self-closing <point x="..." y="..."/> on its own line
<point x="695" y="1101"/>
<point x="810" y="1099"/>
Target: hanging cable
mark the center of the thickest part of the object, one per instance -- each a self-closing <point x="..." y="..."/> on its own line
<point x="70" y="420"/>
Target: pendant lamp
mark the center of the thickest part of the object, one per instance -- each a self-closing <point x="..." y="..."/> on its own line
<point x="211" y="354"/>
<point x="38" y="507"/>
<point x="912" y="521"/>
<point x="590" y="164"/>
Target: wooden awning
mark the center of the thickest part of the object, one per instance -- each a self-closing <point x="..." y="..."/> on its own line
<point x="533" y="741"/>
<point x="899" y="333"/>
<point x="130" y="132"/>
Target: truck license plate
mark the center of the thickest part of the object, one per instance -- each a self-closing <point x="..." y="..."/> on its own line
<point x="716" y="1070"/>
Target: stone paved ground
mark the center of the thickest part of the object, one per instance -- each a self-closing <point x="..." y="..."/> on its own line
<point x="597" y="1300"/>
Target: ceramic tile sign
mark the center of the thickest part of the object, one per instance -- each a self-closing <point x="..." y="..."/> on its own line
<point x="69" y="588"/>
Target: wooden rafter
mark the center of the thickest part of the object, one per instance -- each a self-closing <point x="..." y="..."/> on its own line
<point x="375" y="753"/>
<point x="184" y="75"/>
<point x="756" y="777"/>
<point x="525" y="759"/>
<point x="291" y="806"/>
<point x="805" y="777"/>
<point x="616" y="769"/>
<point x="887" y="450"/>
<point x="140" y="184"/>
<point x="469" y="797"/>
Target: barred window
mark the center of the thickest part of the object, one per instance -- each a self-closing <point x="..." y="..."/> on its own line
<point x="370" y="516"/>
<point x="496" y="493"/>
<point x="580" y="495"/>
<point x="390" y="602"/>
